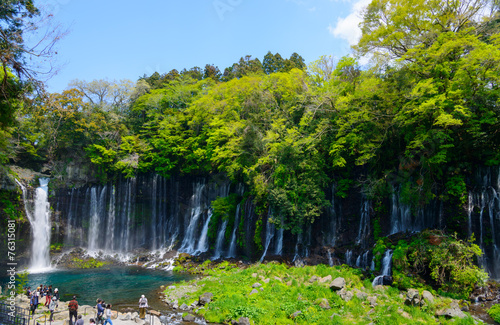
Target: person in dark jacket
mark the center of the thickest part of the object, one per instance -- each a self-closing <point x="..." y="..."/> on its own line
<point x="33" y="303"/>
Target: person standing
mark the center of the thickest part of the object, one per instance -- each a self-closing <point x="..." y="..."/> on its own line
<point x="100" y="311"/>
<point x="33" y="303"/>
<point x="52" y="307"/>
<point x="108" y="314"/>
<point x="73" y="310"/>
<point x="143" y="304"/>
<point x="56" y="296"/>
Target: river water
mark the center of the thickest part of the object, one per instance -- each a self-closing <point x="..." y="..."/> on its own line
<point x="121" y="286"/>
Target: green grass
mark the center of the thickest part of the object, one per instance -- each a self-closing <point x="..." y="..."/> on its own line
<point x="289" y="290"/>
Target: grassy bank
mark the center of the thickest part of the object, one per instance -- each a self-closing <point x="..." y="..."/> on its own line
<point x="278" y="294"/>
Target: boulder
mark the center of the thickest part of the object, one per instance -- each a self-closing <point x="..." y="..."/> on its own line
<point x="205" y="298"/>
<point x="427" y="297"/>
<point x="188" y="318"/>
<point x="361" y="295"/>
<point x="139" y="321"/>
<point x="404" y="313"/>
<point x="294" y="315"/>
<point x="326" y="279"/>
<point x="184" y="307"/>
<point x="243" y="321"/>
<point x="345" y="295"/>
<point x="313" y="279"/>
<point x="127" y="316"/>
<point x="412" y="297"/>
<point x="254" y="291"/>
<point x="337" y="284"/>
<point x="154" y="313"/>
<point x="256" y="285"/>
<point x="266" y="280"/>
<point x="450" y="313"/>
<point x="324" y="304"/>
<point x="372" y="300"/>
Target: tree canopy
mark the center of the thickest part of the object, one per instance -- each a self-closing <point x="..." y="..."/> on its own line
<point x="419" y="119"/>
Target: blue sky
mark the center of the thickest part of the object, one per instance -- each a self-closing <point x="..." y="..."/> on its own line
<point x="126" y="39"/>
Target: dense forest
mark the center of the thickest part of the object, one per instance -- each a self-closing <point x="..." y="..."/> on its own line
<point x="421" y="116"/>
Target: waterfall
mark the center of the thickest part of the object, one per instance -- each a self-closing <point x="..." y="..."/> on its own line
<point x="297" y="245"/>
<point x="362" y="260"/>
<point x="385" y="269"/>
<point x="196" y="211"/>
<point x="110" y="236"/>
<point x="279" y="242"/>
<point x="400" y="214"/>
<point x="97" y="204"/>
<point x="203" y="242"/>
<point x="348" y="257"/>
<point x="232" y="245"/>
<point x="40" y="226"/>
<point x="220" y="240"/>
<point x="269" y="237"/>
<point x="483" y="215"/>
<point x="154" y="221"/>
<point x="330" y="258"/>
<point x="364" y="223"/>
<point x="334" y="219"/>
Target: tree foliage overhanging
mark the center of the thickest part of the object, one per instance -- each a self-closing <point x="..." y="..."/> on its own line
<point x="421" y="116"/>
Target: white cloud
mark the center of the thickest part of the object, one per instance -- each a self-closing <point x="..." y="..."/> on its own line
<point x="348" y="28"/>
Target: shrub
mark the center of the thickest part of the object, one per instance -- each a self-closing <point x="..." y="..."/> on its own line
<point x="494" y="312"/>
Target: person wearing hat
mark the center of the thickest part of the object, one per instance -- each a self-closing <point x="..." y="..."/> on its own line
<point x="143" y="304"/>
<point x="56" y="296"/>
<point x="52" y="307"/>
<point x="73" y="310"/>
<point x="33" y="303"/>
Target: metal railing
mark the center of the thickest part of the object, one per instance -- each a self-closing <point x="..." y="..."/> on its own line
<point x="13" y="315"/>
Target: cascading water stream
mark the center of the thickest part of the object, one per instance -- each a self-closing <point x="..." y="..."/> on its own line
<point x="40" y="226"/>
<point x="348" y="257"/>
<point x="196" y="211"/>
<point x="220" y="240"/>
<point x="232" y="245"/>
<point x="279" y="242"/>
<point x="110" y="237"/>
<point x="269" y="237"/>
<point x="385" y="269"/>
<point x="364" y="223"/>
<point x="97" y="203"/>
<point x="203" y="242"/>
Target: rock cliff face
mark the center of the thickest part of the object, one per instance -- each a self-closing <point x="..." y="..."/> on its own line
<point x="150" y="213"/>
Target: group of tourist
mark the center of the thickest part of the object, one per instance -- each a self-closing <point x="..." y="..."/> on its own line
<point x="104" y="312"/>
<point x="103" y="316"/>
<point x="43" y="291"/>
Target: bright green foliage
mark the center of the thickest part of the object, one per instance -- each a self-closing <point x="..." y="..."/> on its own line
<point x="21" y="281"/>
<point x="223" y="209"/>
<point x="89" y="263"/>
<point x="494" y="312"/>
<point x="418" y="121"/>
<point x="289" y="290"/>
<point x="449" y="263"/>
